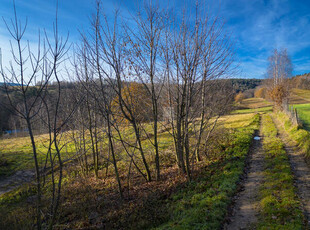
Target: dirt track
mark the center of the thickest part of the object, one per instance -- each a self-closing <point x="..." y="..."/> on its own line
<point x="245" y="210"/>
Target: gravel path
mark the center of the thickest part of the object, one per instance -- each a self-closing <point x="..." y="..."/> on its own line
<point x="245" y="210"/>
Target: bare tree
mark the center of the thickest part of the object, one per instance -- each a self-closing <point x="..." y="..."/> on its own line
<point x="195" y="54"/>
<point x="57" y="50"/>
<point x="112" y="62"/>
<point x="145" y="60"/>
<point x="178" y="65"/>
<point x="98" y="87"/>
<point x="33" y="71"/>
<point x="127" y="77"/>
<point x="279" y="70"/>
<point x="23" y="56"/>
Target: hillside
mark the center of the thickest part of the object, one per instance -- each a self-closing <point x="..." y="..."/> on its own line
<point x="245" y="84"/>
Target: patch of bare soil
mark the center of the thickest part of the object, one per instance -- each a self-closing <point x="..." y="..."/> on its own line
<point x="299" y="167"/>
<point x="245" y="211"/>
<point x="20" y="177"/>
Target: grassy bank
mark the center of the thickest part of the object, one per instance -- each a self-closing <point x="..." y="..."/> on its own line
<point x="301" y="136"/>
<point x="280" y="207"/>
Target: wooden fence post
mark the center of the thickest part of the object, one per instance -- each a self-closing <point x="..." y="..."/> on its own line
<point x="296" y="116"/>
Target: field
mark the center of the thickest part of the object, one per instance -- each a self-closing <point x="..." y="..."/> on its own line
<point x="172" y="202"/>
<point x="255" y="103"/>
<point x="303" y="111"/>
<point x="222" y="170"/>
<point x="299" y="96"/>
<point x="17" y="154"/>
<point x="300" y="100"/>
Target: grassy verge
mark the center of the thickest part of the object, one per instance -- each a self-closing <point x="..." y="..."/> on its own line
<point x="279" y="203"/>
<point x="203" y="203"/>
<point x="301" y="136"/>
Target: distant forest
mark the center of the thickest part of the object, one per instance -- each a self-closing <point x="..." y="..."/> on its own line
<point x="242" y="85"/>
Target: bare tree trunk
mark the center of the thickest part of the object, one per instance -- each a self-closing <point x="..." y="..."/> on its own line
<point x="90" y="128"/>
<point x="37" y="168"/>
<point x="114" y="158"/>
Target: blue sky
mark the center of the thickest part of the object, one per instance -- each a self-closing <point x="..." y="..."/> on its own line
<point x="256" y="26"/>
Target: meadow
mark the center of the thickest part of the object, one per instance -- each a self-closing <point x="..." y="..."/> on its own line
<point x="168" y="204"/>
<point x="299" y="96"/>
<point x="173" y="202"/>
<point x="303" y="111"/>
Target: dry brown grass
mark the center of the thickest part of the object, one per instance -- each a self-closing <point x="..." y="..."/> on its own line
<point x="299" y="96"/>
<point x="89" y="203"/>
<point x="253" y="103"/>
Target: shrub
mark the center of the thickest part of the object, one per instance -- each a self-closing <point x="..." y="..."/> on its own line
<point x="239" y="97"/>
<point x="278" y="94"/>
<point x="260" y="93"/>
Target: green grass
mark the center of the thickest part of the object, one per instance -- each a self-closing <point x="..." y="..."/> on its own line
<point x="203" y="203"/>
<point x="280" y="207"/>
<point x="17" y="154"/>
<point x="301" y="136"/>
<point x="236" y="120"/>
<point x="303" y="111"/>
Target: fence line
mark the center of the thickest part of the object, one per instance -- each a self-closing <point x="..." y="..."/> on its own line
<point x="292" y="114"/>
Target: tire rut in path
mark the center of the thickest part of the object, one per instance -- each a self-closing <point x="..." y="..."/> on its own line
<point x="245" y="211"/>
<point x="299" y="167"/>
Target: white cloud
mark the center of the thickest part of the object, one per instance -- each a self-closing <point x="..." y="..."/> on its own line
<point x="260" y="26"/>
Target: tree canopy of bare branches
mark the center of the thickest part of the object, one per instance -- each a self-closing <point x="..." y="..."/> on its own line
<point x="279" y="70"/>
